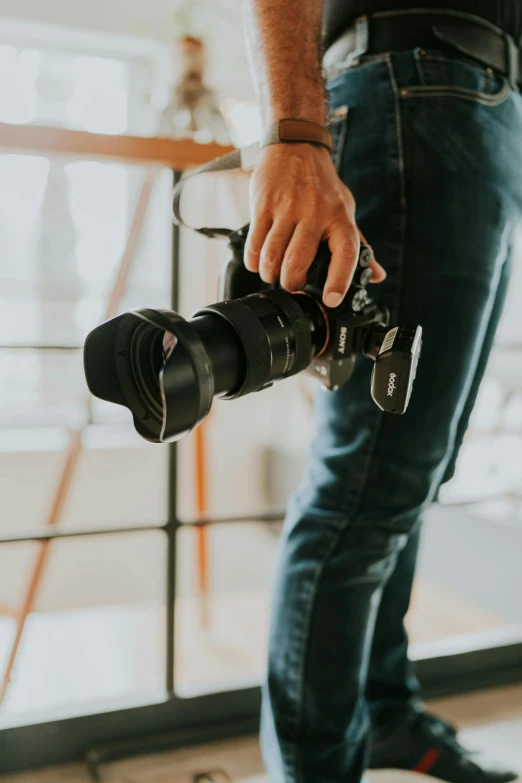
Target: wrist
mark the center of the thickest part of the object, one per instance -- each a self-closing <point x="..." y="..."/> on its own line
<point x="302" y="149"/>
<point x="311" y="114"/>
<point x="290" y="130"/>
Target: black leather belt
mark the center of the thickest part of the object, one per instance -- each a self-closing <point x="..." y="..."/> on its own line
<point x="448" y="31"/>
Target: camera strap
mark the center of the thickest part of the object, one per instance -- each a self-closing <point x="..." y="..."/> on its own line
<point x="244" y="158"/>
<point x="284" y="131"/>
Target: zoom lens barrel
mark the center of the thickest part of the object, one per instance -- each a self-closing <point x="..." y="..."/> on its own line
<point x="276" y="335"/>
<point x="167" y="370"/>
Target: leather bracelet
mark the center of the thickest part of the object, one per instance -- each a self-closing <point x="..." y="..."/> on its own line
<point x="290" y="131"/>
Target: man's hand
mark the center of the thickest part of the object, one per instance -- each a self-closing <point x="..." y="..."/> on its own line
<point x="297" y="200"/>
<point x="296" y="197"/>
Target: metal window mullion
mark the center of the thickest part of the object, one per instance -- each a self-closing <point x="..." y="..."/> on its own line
<point x="262" y="518"/>
<point x="173" y="522"/>
<point x="64" y="534"/>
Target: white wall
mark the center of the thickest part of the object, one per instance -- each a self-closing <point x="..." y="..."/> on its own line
<point x="219" y="22"/>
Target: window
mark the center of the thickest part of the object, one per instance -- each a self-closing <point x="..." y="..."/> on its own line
<point x="97" y="617"/>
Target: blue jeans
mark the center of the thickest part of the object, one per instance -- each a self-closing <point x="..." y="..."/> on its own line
<point x="431" y="147"/>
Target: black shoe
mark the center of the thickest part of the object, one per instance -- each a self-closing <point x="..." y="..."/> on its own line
<point x="423" y="743"/>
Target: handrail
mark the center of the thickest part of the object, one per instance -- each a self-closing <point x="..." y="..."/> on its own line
<point x="178" y="154"/>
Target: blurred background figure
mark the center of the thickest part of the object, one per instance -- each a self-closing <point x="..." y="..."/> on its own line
<point x="193" y="109"/>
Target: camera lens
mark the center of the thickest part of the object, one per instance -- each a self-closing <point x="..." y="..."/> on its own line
<point x="146" y="362"/>
<point x="276" y="332"/>
<point x="167" y="370"/>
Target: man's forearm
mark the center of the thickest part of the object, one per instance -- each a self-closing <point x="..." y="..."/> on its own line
<point x="284" y="44"/>
<point x="297" y="200"/>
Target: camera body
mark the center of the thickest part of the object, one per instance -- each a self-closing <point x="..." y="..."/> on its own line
<point x="357" y="326"/>
<point x="167" y="370"/>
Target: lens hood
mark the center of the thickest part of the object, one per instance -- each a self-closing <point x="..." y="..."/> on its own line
<point x="154" y="363"/>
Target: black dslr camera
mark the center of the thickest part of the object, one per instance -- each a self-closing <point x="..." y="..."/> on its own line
<point x="167" y="370"/>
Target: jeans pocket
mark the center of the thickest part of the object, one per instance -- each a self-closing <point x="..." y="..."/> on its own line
<point x="337" y="126"/>
<point x="443" y="76"/>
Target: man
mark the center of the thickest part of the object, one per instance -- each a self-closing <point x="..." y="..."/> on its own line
<point x="427" y="132"/>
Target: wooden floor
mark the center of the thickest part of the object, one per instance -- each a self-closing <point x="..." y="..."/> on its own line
<point x="490" y="720"/>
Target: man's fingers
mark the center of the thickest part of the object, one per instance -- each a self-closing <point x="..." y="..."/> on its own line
<point x="344" y="242"/>
<point x="259" y="228"/>
<point x="378" y="271"/>
<point x="298" y="257"/>
<point x="273" y="251"/>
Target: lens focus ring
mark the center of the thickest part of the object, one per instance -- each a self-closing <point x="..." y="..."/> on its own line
<point x="254" y="340"/>
<point x="300" y="327"/>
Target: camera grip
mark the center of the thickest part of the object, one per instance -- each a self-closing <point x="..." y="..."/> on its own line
<point x="318" y="271"/>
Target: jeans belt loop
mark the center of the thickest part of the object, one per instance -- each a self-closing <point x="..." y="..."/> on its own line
<point x="512" y="61"/>
<point x="362" y="36"/>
